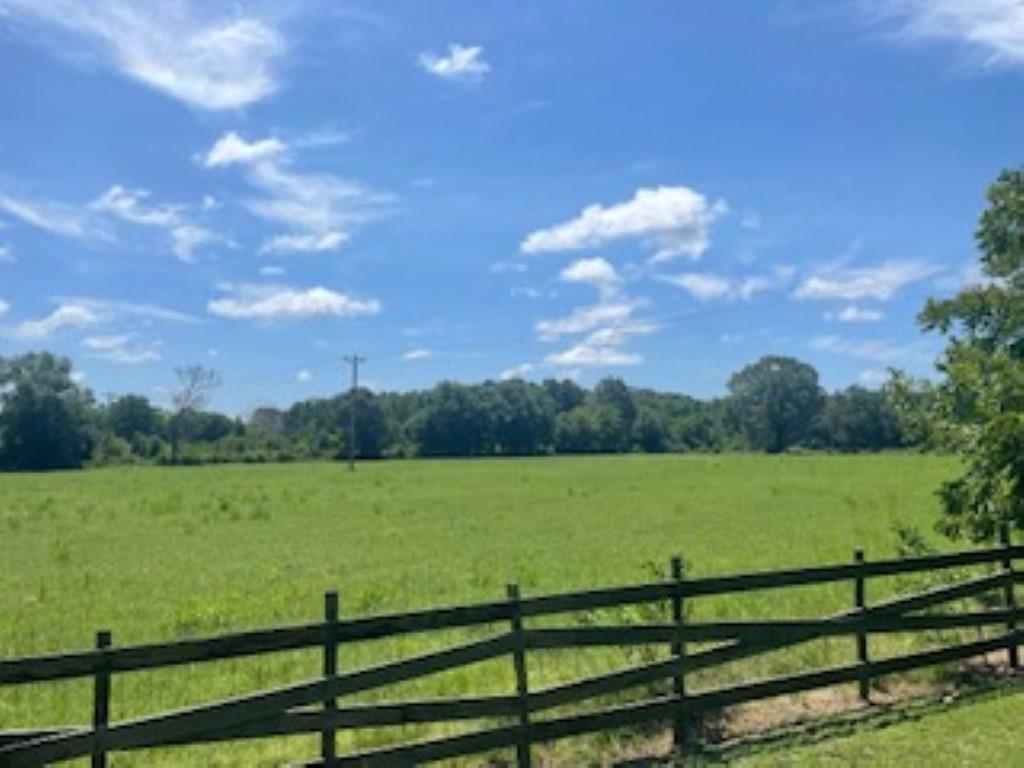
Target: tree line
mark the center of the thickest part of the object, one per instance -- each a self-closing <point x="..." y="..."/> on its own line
<point x="47" y="421"/>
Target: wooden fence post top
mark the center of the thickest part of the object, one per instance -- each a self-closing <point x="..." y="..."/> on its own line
<point x="677" y="567"/>
<point x="512" y="591"/>
<point x="858" y="555"/>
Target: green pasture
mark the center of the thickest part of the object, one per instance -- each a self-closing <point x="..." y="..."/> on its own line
<point x="163" y="553"/>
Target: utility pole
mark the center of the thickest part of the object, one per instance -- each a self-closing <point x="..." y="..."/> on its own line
<point x="354" y="361"/>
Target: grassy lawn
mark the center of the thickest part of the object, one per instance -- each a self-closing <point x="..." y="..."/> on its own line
<point x="160" y="553"/>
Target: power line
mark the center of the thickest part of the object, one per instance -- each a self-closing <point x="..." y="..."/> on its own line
<point x="354" y="361"/>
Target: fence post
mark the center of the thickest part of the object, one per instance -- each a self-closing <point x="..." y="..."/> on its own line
<point x="1010" y="599"/>
<point x="328" y="748"/>
<point x="864" y="683"/>
<point x="523" y="759"/>
<point x="681" y="724"/>
<point x="101" y="700"/>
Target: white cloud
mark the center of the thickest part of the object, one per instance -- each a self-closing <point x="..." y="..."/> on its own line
<point x="584" y="319"/>
<point x="588" y="354"/>
<point x="206" y="59"/>
<point x="705" y="286"/>
<point x="517" y="372"/>
<point x="607" y="326"/>
<point x="119" y="349"/>
<point x="879" y="350"/>
<point x="501" y="267"/>
<point x="855" y="314"/>
<point x="991" y="31"/>
<point x="65" y="316"/>
<point x="872" y="377"/>
<point x="321" y="209"/>
<point x="4" y="307"/>
<point x="56" y="218"/>
<point x="304" y="376"/>
<point x="110" y="310"/>
<point x="879" y="283"/>
<point x="231" y="149"/>
<point x="701" y="286"/>
<point x="675" y="220"/>
<point x="130" y="205"/>
<point x="277" y="302"/>
<point x="272" y="271"/>
<point x="464" y="64"/>
<point x="311" y="243"/>
<point x="418" y="354"/>
<point x="596" y="272"/>
<point x="6" y="255"/>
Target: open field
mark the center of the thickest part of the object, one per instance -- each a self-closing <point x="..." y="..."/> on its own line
<point x="167" y="553"/>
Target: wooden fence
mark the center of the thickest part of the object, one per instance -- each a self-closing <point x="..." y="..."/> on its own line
<point x="315" y="706"/>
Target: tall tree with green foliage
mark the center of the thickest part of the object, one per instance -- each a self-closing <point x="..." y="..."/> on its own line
<point x="777" y="400"/>
<point x="44" y="414"/>
<point x="977" y="409"/>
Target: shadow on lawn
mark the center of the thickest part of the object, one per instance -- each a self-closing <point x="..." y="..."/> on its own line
<point x="971" y="687"/>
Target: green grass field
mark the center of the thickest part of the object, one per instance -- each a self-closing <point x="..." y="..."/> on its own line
<point x="161" y="553"/>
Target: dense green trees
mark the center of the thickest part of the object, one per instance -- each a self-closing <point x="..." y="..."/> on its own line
<point x="978" y="407"/>
<point x="44" y="414"/>
<point x="776" y="404"/>
<point x="776" y="400"/>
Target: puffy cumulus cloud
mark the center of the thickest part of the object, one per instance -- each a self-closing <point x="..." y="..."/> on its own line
<point x="879" y="283"/>
<point x="596" y="272"/>
<point x="304" y="376"/>
<point x="208" y="55"/>
<point x="676" y="221"/>
<point x="991" y="31"/>
<point x="65" y="316"/>
<point x="320" y="209"/>
<point x="279" y="302"/>
<point x="463" y="64"/>
<point x="4" y="307"/>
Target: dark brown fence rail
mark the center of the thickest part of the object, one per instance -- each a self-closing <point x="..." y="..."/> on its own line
<point x="318" y="707"/>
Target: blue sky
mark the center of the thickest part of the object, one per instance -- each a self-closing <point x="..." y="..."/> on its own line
<point x="661" y="191"/>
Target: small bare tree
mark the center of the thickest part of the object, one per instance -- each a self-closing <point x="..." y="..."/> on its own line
<point x="195" y="383"/>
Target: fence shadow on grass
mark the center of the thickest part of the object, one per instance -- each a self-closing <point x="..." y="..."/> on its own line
<point x="964" y="688"/>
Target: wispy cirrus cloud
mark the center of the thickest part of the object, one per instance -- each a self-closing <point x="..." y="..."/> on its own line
<point x="707" y="286"/>
<point x="281" y="302"/>
<point x="418" y="354"/>
<point x="53" y="217"/>
<point x="878" y="350"/>
<point x="132" y="205"/>
<point x="878" y="283"/>
<point x="463" y="64"/>
<point x="321" y="209"/>
<point x="122" y="349"/>
<point x="65" y="316"/>
<point x="856" y="314"/>
<point x="989" y="32"/>
<point x="209" y="55"/>
<point x="675" y="221"/>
